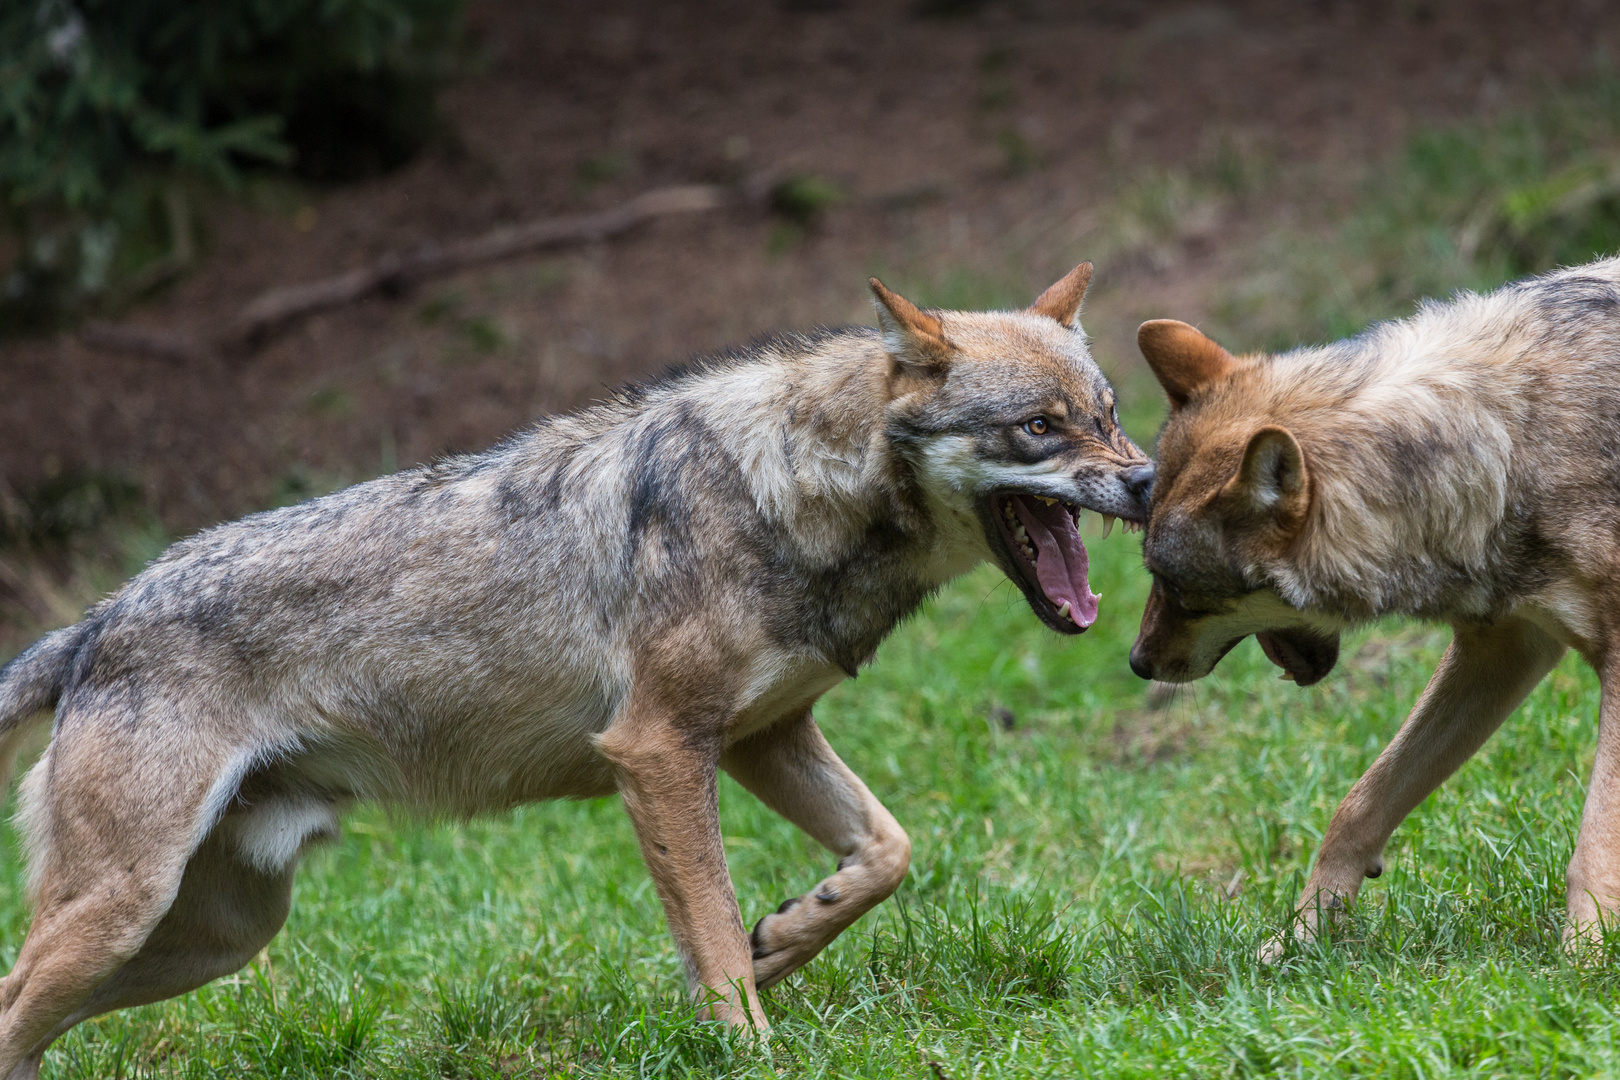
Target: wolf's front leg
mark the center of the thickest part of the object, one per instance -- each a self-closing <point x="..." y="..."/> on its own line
<point x="792" y="770"/>
<point x="1484" y="675"/>
<point x="1593" y="877"/>
<point x="669" y="783"/>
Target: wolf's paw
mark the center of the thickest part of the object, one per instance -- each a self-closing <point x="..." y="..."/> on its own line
<point x="1584" y="933"/>
<point x="1311" y="924"/>
<point x="773" y="941"/>
<point x="790" y="937"/>
<point x="1275" y="948"/>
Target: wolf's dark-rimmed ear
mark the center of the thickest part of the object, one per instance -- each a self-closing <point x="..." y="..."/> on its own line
<point x="1272" y="480"/>
<point x="1182" y="357"/>
<point x="1062" y="300"/>
<point x="914" y="339"/>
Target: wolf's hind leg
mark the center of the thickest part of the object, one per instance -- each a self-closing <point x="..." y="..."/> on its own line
<point x="225" y="912"/>
<point x="1484" y="675"/>
<point x="792" y="770"/>
<point x="114" y="825"/>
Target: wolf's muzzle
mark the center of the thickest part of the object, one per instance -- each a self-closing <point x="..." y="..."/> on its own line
<point x="1138" y="481"/>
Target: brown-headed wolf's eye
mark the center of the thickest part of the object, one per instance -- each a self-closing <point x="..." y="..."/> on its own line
<point x="1036" y="426"/>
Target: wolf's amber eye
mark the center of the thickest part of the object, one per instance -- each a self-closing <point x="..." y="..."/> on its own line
<point x="1037" y="426"/>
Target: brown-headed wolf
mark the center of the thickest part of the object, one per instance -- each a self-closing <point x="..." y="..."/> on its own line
<point x="1460" y="466"/>
<point x="628" y="598"/>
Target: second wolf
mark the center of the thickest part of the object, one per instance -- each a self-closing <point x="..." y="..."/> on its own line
<point x="1459" y="466"/>
<point x="627" y="598"/>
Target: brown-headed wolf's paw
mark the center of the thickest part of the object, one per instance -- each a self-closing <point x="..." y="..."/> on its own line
<point x="1311" y="924"/>
<point x="1589" y="927"/>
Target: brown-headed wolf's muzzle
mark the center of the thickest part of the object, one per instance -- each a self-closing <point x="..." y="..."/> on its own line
<point x="1168" y="645"/>
<point x="1175" y="645"/>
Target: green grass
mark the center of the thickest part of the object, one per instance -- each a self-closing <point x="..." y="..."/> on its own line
<point x="1091" y="881"/>
<point x="1066" y="912"/>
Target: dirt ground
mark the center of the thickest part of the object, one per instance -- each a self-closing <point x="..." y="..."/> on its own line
<point x="976" y="153"/>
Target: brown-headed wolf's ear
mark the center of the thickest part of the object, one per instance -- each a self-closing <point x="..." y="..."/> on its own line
<point x="1272" y="480"/>
<point x="1181" y="357"/>
<point x="914" y="339"/>
<point x="1062" y="300"/>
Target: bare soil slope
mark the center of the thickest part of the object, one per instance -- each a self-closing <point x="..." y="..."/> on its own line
<point x="977" y="155"/>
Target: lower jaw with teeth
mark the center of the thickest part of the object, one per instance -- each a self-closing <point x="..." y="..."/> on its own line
<point x="1064" y="609"/>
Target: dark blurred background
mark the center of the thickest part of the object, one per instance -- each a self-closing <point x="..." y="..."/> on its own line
<point x="1277" y="171"/>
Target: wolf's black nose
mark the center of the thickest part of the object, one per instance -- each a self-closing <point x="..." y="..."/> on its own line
<point x="1138" y="481"/>
<point x="1139" y="664"/>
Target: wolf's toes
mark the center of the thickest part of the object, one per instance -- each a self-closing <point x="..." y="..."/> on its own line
<point x="762" y="939"/>
<point x="1303" y="932"/>
<point x="1275" y="948"/>
<point x="1583" y="940"/>
<point x="772" y="941"/>
<point x="1311" y="924"/>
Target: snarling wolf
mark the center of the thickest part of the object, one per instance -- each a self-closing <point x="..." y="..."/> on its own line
<point x="1457" y="466"/>
<point x="626" y="598"/>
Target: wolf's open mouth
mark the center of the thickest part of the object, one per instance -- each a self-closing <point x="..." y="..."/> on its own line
<point x="1043" y="535"/>
<point x="1305" y="656"/>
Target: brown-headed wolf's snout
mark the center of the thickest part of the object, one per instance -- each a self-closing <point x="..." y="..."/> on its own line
<point x="1143" y="649"/>
<point x="1165" y="644"/>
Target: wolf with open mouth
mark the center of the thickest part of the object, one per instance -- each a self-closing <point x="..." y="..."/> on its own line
<point x="1456" y="466"/>
<point x="629" y="598"/>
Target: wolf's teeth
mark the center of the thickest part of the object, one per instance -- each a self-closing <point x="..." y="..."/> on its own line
<point x="1108" y="525"/>
<point x="1045" y="500"/>
<point x="1063" y="610"/>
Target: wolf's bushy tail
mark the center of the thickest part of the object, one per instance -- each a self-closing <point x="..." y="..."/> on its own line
<point x="30" y="684"/>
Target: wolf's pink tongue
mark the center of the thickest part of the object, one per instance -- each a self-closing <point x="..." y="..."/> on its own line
<point x="1063" y="564"/>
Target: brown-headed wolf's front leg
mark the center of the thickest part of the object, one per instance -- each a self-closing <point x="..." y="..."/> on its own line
<point x="668" y="776"/>
<point x="1484" y="675"/>
<point x="1593" y="878"/>
<point x="792" y="770"/>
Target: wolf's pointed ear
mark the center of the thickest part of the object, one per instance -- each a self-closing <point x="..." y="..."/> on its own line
<point x="1062" y="300"/>
<point x="1273" y="479"/>
<point x="1182" y="357"/>
<point x="914" y="339"/>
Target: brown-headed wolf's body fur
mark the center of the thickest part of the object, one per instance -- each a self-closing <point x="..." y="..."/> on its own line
<point x="1457" y="466"/>
<point x="623" y="599"/>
